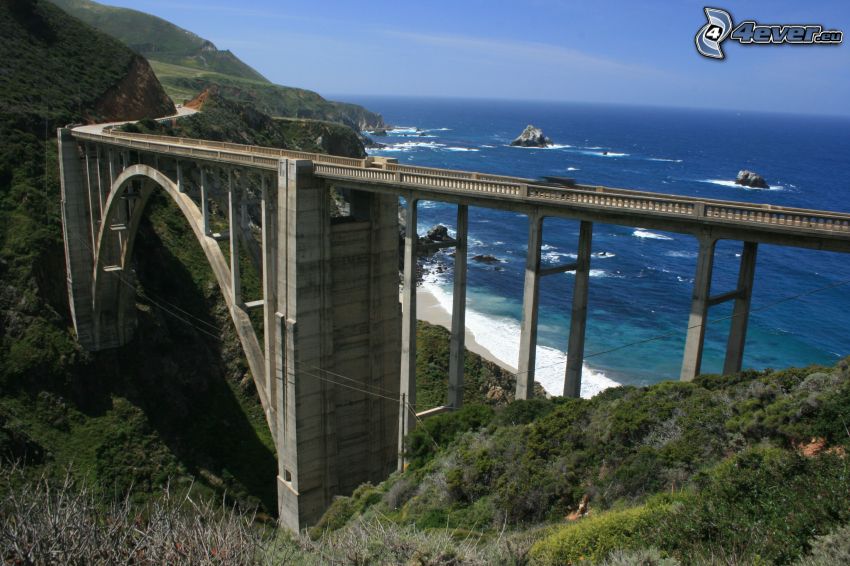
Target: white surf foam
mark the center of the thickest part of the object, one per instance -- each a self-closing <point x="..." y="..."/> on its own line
<point x="572" y="168"/>
<point x="552" y="146"/>
<point x="605" y="153"/>
<point x="686" y="255"/>
<point x="410" y="146"/>
<point x="664" y="159"/>
<point x="420" y="135"/>
<point x="641" y="233"/>
<point x="488" y="146"/>
<point x="734" y="185"/>
<point x="554" y="257"/>
<point x="500" y="336"/>
<point x="460" y="149"/>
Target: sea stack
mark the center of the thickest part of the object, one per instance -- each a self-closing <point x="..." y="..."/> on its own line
<point x="749" y="179"/>
<point x="532" y="137"/>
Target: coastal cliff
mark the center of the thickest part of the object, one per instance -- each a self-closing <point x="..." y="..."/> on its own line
<point x="136" y="96"/>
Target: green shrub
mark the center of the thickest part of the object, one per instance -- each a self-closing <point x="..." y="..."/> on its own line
<point x="640" y="557"/>
<point x="441" y="430"/>
<point x="595" y="537"/>
<point x="829" y="550"/>
<point x="344" y="508"/>
<point x="764" y="504"/>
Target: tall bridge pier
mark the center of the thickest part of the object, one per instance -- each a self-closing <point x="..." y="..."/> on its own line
<point x="336" y="368"/>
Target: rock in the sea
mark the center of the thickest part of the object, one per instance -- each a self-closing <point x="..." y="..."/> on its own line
<point x="486" y="258"/>
<point x="750" y="179"/>
<point x="532" y="137"/>
<point x="438" y="233"/>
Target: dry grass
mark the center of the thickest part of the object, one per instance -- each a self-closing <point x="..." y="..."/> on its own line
<point x="59" y="522"/>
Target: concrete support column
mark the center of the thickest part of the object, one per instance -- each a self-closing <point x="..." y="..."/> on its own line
<point x="205" y="207"/>
<point x="695" y="340"/>
<point x="457" y="346"/>
<point x="530" y="299"/>
<point x="578" y="318"/>
<point x="269" y="236"/>
<point x="233" y="220"/>
<point x="101" y="191"/>
<point x="181" y="187"/>
<point x="407" y="389"/>
<point x="91" y="195"/>
<point x="113" y="170"/>
<point x="306" y="432"/>
<point x="78" y="254"/>
<point x="741" y="311"/>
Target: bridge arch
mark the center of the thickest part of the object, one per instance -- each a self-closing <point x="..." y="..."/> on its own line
<point x="113" y="296"/>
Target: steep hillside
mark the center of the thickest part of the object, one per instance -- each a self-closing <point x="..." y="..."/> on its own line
<point x="225" y="119"/>
<point x="187" y="65"/>
<point x="135" y="416"/>
<point x="158" y="39"/>
<point x="54" y="66"/>
<point x="740" y="469"/>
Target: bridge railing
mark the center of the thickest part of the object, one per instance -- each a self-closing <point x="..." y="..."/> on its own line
<point x="601" y="197"/>
<point x="253" y="149"/>
<point x="472" y="183"/>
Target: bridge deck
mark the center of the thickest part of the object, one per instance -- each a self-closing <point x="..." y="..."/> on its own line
<point x="729" y="219"/>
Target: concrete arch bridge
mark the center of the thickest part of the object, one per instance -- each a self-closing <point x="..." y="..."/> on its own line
<point x="335" y="368"/>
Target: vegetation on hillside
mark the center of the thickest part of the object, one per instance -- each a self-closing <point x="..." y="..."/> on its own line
<point x="55" y="69"/>
<point x="158" y="39"/>
<point x="226" y="119"/>
<point x="134" y="416"/>
<point x="187" y="65"/>
<point x="736" y="469"/>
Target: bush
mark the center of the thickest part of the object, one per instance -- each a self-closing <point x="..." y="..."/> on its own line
<point x="829" y="550"/>
<point x="764" y="504"/>
<point x="641" y="557"/>
<point x="439" y="431"/>
<point x="595" y="537"/>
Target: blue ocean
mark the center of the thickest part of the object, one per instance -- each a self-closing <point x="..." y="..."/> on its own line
<point x="641" y="280"/>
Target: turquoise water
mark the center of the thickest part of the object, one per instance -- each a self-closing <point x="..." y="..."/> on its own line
<point x="641" y="280"/>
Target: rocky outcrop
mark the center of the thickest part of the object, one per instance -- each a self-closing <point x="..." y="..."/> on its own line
<point x="749" y="179"/>
<point x="438" y="233"/>
<point x="532" y="137"/>
<point x="136" y="96"/>
<point x="486" y="258"/>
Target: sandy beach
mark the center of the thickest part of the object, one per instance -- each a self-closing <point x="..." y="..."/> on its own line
<point x="432" y="312"/>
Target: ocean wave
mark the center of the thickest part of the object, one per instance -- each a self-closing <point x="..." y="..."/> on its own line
<point x="420" y="135"/>
<point x="605" y="153"/>
<point x="500" y="336"/>
<point x="604" y="255"/>
<point x="664" y="159"/>
<point x="602" y="273"/>
<point x="403" y="130"/>
<point x="681" y="254"/>
<point x="734" y="185"/>
<point x="572" y="169"/>
<point x="488" y="146"/>
<point x="460" y="149"/>
<point x="410" y="146"/>
<point x="553" y="257"/>
<point x="552" y="146"/>
<point x="641" y="233"/>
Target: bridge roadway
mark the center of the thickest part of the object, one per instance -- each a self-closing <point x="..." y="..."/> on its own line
<point x="301" y="251"/>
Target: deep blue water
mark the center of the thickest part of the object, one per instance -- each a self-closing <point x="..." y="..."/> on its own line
<point x="643" y="289"/>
